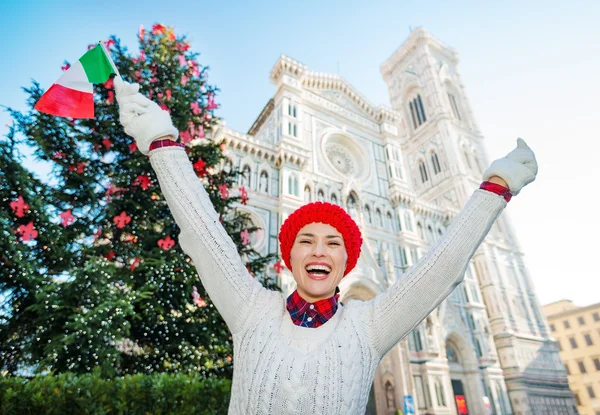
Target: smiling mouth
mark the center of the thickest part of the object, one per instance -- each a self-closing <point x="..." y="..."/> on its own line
<point x="318" y="272"/>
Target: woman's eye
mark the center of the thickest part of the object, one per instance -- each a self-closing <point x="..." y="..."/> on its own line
<point x="335" y="243"/>
<point x="304" y="242"/>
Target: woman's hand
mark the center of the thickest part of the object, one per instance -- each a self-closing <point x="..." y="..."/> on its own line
<point x="517" y="169"/>
<point x="142" y="118"/>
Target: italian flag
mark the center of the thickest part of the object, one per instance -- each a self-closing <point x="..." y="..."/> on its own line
<point x="73" y="94"/>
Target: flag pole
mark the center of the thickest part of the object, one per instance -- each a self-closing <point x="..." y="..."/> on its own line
<point x="109" y="58"/>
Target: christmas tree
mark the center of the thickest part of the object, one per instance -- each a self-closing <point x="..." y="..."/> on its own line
<point x="23" y="251"/>
<point x="119" y="293"/>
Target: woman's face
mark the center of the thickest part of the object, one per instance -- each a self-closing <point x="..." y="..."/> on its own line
<point x="318" y="258"/>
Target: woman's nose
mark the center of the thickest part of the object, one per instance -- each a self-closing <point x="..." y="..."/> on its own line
<point x="319" y="249"/>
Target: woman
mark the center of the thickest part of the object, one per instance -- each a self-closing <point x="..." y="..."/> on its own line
<point x="310" y="354"/>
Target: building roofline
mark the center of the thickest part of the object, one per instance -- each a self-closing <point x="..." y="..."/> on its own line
<point x="573" y="310"/>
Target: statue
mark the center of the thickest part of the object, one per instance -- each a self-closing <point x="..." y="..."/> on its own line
<point x="263" y="186"/>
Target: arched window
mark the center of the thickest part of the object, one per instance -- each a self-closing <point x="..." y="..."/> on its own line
<point x="454" y="106"/>
<point x="351" y="203"/>
<point x="408" y="221"/>
<point x="321" y="195"/>
<point x="368" y="214"/>
<point x="307" y="197"/>
<point x="478" y="350"/>
<point x="403" y="256"/>
<point x="451" y="353"/>
<point x="439" y="393"/>
<point x="420" y="230"/>
<point x="293" y="185"/>
<point x="228" y="166"/>
<point x="417" y="112"/>
<point x="334" y="198"/>
<point x="378" y="217"/>
<point x="246" y="176"/>
<point x="415" y="342"/>
<point x="435" y="162"/>
<point x="430" y="236"/>
<point x="390" y="222"/>
<point x="423" y="171"/>
<point x="263" y="185"/>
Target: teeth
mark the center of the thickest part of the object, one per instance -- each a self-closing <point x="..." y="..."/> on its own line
<point x="311" y="268"/>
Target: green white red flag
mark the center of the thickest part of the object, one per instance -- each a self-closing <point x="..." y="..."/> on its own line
<point x="72" y="95"/>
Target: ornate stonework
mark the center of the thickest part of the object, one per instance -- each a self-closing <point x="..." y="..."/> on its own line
<point x="487" y="342"/>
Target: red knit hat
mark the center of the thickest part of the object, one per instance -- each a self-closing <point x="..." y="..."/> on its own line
<point x="321" y="212"/>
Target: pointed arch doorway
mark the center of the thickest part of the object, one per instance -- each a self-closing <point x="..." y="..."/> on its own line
<point x="464" y="376"/>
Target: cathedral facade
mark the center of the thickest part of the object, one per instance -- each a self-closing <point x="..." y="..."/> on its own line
<point x="403" y="172"/>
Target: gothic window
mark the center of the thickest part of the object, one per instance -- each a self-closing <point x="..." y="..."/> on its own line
<point x="423" y="397"/>
<point x="390" y="222"/>
<point x="435" y="162"/>
<point x="501" y="397"/>
<point x="403" y="256"/>
<point x="439" y="393"/>
<point x="307" y="197"/>
<point x="423" y="171"/>
<point x="321" y="195"/>
<point x="292" y="110"/>
<point x="408" y="221"/>
<point x="378" y="217"/>
<point x="478" y="351"/>
<point x="417" y="112"/>
<point x="293" y="185"/>
<point x="334" y="199"/>
<point x="228" y="167"/>
<point x="429" y="234"/>
<point x="246" y="176"/>
<point x="414" y="340"/>
<point x="351" y="203"/>
<point x="368" y="214"/>
<point x="420" y="230"/>
<point x="263" y="185"/>
<point x="451" y="353"/>
<point x="414" y="254"/>
<point x="454" y="106"/>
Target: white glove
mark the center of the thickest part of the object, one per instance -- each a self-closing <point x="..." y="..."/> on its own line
<point x="141" y="118"/>
<point x="518" y="168"/>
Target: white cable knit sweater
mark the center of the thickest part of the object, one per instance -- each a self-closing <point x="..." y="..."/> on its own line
<point x="281" y="368"/>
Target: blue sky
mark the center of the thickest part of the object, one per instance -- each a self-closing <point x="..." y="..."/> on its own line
<point x="531" y="69"/>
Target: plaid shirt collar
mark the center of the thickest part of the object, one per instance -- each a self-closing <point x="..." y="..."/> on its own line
<point x="305" y="314"/>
